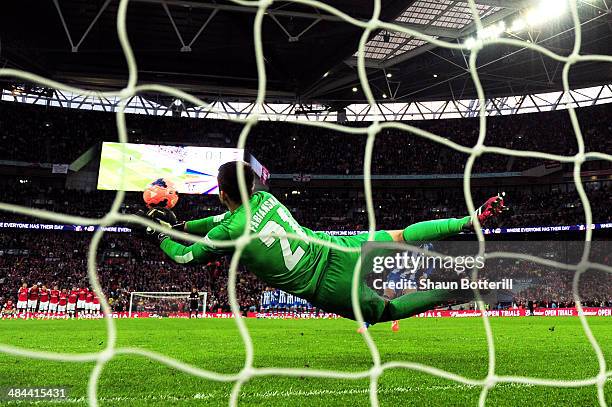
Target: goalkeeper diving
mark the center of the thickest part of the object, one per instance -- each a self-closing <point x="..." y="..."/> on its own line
<point x="309" y="270"/>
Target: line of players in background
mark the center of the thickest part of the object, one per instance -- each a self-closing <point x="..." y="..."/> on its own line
<point x="38" y="299"/>
<point x="278" y="300"/>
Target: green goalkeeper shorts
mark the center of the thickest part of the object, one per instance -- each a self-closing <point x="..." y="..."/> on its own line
<point x="333" y="293"/>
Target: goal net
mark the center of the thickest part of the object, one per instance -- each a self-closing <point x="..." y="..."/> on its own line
<point x="249" y="371"/>
<point x="164" y="303"/>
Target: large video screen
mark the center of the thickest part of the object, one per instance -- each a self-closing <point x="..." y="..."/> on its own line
<point x="192" y="169"/>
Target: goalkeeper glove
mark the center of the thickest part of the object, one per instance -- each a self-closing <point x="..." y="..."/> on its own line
<point x="164" y="217"/>
<point x="493" y="207"/>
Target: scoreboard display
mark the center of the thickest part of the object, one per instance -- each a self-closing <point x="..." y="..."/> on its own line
<point x="131" y="167"/>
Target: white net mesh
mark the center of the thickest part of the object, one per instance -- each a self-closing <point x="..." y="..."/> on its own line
<point x="249" y="371"/>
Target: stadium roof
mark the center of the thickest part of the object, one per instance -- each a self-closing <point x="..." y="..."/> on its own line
<point x="443" y="18"/>
<point x="206" y="48"/>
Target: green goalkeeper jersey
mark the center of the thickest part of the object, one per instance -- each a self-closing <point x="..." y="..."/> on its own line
<point x="292" y="265"/>
<point x="309" y="270"/>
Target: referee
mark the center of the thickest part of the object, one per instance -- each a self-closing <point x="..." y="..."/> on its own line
<point x="193" y="302"/>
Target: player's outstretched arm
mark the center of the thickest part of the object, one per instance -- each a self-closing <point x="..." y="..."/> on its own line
<point x="195" y="253"/>
<point x="167" y="218"/>
<point x="201" y="227"/>
<point x="200" y="252"/>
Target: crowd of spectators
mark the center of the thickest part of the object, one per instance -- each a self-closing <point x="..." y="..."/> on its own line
<point x="124" y="264"/>
<point x="543" y="286"/>
<point x="46" y="134"/>
<point x="337" y="210"/>
<point x="553" y="288"/>
<point x="345" y="209"/>
<point x="555" y="291"/>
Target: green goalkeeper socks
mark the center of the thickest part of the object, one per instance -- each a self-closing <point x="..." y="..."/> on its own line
<point x="434" y="229"/>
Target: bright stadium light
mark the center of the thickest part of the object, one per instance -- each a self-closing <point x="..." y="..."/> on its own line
<point x="543" y="12"/>
<point x="487" y="33"/>
<point x="384" y="95"/>
<point x="177" y="102"/>
<point x="326" y="74"/>
<point x="470" y="42"/>
<point x="492" y="31"/>
<point x="518" y="25"/>
<point x="389" y="75"/>
<point x="354" y="90"/>
<point x="546" y="11"/>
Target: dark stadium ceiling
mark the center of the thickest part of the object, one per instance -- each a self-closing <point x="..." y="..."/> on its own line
<point x="206" y="48"/>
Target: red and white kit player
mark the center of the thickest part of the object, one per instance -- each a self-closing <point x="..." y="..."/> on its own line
<point x="22" y="298"/>
<point x="63" y="300"/>
<point x="89" y="302"/>
<point x="43" y="305"/>
<point x="72" y="301"/>
<point x="96" y="304"/>
<point x="53" y="299"/>
<point x="9" y="308"/>
<point x="81" y="301"/>
<point x="33" y="298"/>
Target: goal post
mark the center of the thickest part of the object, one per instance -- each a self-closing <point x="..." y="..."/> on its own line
<point x="166" y="295"/>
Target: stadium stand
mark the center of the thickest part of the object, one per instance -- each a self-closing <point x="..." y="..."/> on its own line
<point x="58" y="135"/>
<point x="124" y="265"/>
<point x="343" y="209"/>
<point x="331" y="66"/>
<point x="46" y="134"/>
<point x="127" y="264"/>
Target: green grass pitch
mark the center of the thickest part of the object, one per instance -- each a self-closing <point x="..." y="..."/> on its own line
<point x="524" y="346"/>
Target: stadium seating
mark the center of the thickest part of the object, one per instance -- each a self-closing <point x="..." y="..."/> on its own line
<point x="332" y="209"/>
<point x="39" y="134"/>
<point x="125" y="264"/>
<point x="46" y="134"/>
